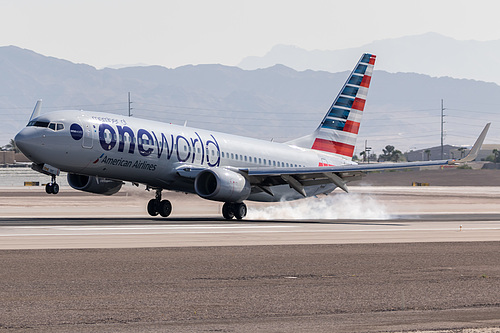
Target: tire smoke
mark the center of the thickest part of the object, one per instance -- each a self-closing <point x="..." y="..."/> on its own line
<point x="338" y="206"/>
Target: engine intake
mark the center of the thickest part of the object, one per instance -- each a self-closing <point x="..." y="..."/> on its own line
<point x="93" y="185"/>
<point x="220" y="184"/>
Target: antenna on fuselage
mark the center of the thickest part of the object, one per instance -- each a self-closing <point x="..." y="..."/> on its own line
<point x="129" y="105"/>
<point x="36" y="110"/>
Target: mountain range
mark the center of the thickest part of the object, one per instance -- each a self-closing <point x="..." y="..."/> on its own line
<point x="431" y="53"/>
<point x="275" y="103"/>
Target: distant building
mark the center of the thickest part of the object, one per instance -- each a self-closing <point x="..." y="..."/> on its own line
<point x="486" y="150"/>
<point x="8" y="157"/>
<point x="449" y="152"/>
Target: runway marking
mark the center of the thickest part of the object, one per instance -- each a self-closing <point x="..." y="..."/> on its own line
<point x="210" y="229"/>
<point x="151" y="226"/>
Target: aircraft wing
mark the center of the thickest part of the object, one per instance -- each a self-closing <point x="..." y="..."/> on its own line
<point x="297" y="178"/>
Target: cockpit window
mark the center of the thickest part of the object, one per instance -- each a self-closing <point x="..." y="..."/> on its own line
<point x="52" y="126"/>
<point x="38" y="123"/>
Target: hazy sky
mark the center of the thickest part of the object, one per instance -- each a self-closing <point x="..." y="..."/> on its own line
<point x="175" y="33"/>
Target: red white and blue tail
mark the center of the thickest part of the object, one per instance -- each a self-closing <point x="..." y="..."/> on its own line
<point x="339" y="129"/>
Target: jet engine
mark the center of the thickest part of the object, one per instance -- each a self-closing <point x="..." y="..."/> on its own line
<point x="93" y="184"/>
<point x="220" y="184"/>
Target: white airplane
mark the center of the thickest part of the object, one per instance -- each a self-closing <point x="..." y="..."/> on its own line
<point x="100" y="151"/>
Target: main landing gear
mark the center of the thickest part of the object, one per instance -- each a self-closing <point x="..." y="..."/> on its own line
<point x="234" y="209"/>
<point x="52" y="187"/>
<point x="157" y="206"/>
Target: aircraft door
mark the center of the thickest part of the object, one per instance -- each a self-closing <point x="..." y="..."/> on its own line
<point x="88" y="135"/>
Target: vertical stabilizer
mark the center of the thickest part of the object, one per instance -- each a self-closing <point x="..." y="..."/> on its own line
<point x="36" y="110"/>
<point x="339" y="129"/>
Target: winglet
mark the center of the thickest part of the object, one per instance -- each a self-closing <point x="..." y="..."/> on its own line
<point x="36" y="110"/>
<point x="471" y="156"/>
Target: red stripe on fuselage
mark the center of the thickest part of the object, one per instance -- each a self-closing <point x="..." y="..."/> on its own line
<point x="372" y="60"/>
<point x="333" y="147"/>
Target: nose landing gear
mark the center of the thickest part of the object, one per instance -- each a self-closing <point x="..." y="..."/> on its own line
<point x="52" y="187"/>
<point x="158" y="206"/>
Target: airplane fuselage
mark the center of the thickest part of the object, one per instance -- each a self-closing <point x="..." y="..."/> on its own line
<point x="152" y="153"/>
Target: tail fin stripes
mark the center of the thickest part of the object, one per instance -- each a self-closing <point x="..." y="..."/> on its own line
<point x="339" y="129"/>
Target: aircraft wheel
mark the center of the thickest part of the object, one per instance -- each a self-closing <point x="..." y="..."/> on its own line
<point x="152" y="207"/>
<point x="240" y="210"/>
<point x="165" y="208"/>
<point x="49" y="188"/>
<point x="228" y="211"/>
<point x="55" y="188"/>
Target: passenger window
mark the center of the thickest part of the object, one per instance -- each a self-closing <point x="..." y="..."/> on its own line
<point x="236" y="156"/>
<point x="232" y="156"/>
<point x="274" y="163"/>
<point x="264" y="161"/>
<point x="222" y="154"/>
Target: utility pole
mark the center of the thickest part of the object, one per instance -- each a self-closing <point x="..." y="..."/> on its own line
<point x="367" y="151"/>
<point x="442" y="122"/>
<point x="129" y="105"/>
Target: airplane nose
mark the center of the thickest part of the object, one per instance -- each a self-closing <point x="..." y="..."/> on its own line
<point x="20" y="140"/>
<point x="27" y="141"/>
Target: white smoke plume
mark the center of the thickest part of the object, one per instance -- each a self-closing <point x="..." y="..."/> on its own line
<point x="336" y="206"/>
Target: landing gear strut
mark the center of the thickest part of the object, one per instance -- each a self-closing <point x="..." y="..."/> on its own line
<point x="157" y="206"/>
<point x="52" y="187"/>
<point x="234" y="209"/>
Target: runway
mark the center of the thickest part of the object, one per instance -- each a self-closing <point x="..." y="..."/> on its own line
<point x="380" y="259"/>
<point x="67" y="233"/>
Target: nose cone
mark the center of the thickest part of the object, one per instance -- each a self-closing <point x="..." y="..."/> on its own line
<point x="28" y="142"/>
<point x="20" y="140"/>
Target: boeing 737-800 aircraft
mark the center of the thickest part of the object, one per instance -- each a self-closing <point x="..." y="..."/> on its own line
<point x="100" y="151"/>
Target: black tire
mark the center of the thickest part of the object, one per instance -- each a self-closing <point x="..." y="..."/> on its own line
<point x="49" y="188"/>
<point x="152" y="209"/>
<point x="165" y="208"/>
<point x="228" y="211"/>
<point x="240" y="210"/>
<point x="55" y="188"/>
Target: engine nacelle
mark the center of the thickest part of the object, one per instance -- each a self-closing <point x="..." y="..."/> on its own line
<point x="94" y="185"/>
<point x="220" y="184"/>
